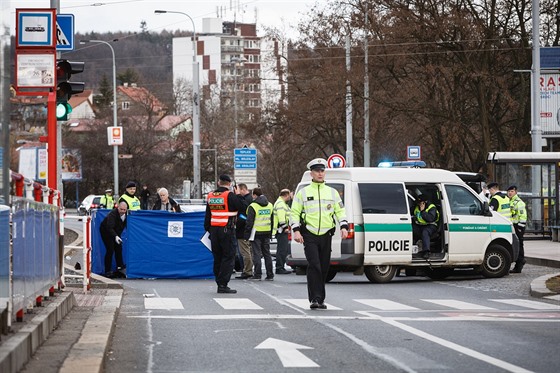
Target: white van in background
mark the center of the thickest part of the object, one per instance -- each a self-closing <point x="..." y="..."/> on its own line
<point x="379" y="202"/>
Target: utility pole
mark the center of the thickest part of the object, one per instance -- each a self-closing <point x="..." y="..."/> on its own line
<point x="367" y="161"/>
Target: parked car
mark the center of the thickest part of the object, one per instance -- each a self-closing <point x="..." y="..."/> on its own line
<point x="90" y="202"/>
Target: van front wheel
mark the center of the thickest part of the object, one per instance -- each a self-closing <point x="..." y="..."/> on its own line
<point x="497" y="261"/>
<point x="380" y="274"/>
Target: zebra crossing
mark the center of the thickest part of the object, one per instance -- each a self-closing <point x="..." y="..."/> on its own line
<point x="157" y="303"/>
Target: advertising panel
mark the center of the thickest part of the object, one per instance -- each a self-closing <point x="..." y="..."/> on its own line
<point x="550" y="105"/>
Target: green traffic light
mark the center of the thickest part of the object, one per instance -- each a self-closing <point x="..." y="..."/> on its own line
<point x="62" y="110"/>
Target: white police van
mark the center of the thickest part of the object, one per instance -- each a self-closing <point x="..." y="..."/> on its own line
<point x="379" y="202"/>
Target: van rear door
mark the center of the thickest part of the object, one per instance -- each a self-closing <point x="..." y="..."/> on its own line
<point x="387" y="225"/>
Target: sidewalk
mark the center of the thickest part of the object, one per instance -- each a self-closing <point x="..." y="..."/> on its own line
<point x="89" y="320"/>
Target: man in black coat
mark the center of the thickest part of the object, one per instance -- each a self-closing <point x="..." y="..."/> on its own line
<point x="111" y="230"/>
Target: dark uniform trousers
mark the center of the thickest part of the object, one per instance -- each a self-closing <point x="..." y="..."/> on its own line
<point x="520" y="231"/>
<point x="318" y="254"/>
<point x="223" y="252"/>
<point x="282" y="245"/>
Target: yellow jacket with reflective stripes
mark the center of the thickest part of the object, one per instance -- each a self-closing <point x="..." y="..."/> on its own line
<point x="316" y="206"/>
<point x="518" y="211"/>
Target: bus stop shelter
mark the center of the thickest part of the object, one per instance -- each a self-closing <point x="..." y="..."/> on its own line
<point x="536" y="176"/>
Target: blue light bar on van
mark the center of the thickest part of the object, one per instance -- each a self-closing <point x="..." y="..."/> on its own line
<point x="410" y="164"/>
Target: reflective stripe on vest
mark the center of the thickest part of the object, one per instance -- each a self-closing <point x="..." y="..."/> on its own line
<point x="263" y="214"/>
<point x="219" y="209"/>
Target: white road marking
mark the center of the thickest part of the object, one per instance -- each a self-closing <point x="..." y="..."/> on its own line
<point x="386" y="305"/>
<point x="163" y="304"/>
<point x="457" y="304"/>
<point x="289" y="353"/>
<point x="454" y="346"/>
<point x="237" y="304"/>
<point x="304" y="303"/>
<point x="534" y="305"/>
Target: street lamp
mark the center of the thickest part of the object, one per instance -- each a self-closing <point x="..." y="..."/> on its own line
<point x="236" y="61"/>
<point x="196" y="111"/>
<point x="115" y="122"/>
<point x="215" y="164"/>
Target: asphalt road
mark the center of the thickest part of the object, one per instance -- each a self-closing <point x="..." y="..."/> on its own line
<point x="412" y="324"/>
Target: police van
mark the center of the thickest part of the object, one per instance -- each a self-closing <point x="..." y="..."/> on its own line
<point x="379" y="204"/>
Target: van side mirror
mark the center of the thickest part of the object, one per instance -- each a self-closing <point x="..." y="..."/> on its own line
<point x="486" y="209"/>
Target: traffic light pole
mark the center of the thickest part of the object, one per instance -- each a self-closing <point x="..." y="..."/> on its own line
<point x="52" y="148"/>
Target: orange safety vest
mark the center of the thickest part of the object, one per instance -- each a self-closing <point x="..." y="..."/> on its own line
<point x="219" y="209"/>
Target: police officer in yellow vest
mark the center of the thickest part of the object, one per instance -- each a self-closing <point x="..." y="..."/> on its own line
<point x="106" y="200"/>
<point x="499" y="202"/>
<point x="282" y="225"/>
<point x="312" y="219"/>
<point x="519" y="220"/>
<point x="131" y="200"/>
<point x="258" y="231"/>
<point x="425" y="218"/>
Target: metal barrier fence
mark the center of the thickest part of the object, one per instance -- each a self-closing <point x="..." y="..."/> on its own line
<point x="35" y="253"/>
<point x="85" y="272"/>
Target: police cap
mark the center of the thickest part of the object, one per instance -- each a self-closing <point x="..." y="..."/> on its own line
<point x="512" y="187"/>
<point x="422" y="197"/>
<point x="226" y="178"/>
<point x="492" y="185"/>
<point x="317" y="164"/>
<point x="108" y="190"/>
<point x="130" y="184"/>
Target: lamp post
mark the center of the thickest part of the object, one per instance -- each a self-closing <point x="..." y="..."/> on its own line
<point x="236" y="61"/>
<point x="215" y="164"/>
<point x="115" y="122"/>
<point x="196" y="111"/>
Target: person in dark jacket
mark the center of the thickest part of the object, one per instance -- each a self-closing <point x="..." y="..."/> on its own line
<point x="425" y="218"/>
<point x="166" y="203"/>
<point x="219" y="221"/>
<point x="144" y="197"/>
<point x="258" y="231"/>
<point x="244" y="245"/>
<point x="111" y="229"/>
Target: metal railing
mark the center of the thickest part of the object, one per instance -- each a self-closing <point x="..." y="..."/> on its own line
<point x="84" y="273"/>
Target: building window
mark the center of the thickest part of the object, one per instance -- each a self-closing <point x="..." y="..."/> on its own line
<point x="125" y="105"/>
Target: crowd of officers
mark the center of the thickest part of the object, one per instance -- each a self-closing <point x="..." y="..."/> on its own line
<point x="512" y="207"/>
<point x="233" y="217"/>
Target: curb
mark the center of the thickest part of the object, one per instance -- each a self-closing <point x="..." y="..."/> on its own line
<point x="18" y="349"/>
<point x="88" y="354"/>
<point x="543" y="262"/>
<point x="538" y="286"/>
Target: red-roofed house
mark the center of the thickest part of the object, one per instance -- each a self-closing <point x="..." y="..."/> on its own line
<point x="82" y="105"/>
<point x="138" y="100"/>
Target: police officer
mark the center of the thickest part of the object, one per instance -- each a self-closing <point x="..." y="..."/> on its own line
<point x="106" y="200"/>
<point x="282" y="225"/>
<point x="519" y="220"/>
<point x="219" y="222"/>
<point x="425" y="218"/>
<point x="131" y="200"/>
<point x="313" y="224"/>
<point x="499" y="202"/>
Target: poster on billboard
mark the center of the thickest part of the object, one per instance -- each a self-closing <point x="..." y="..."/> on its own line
<point x="550" y="105"/>
<point x="71" y="165"/>
<point x="33" y="164"/>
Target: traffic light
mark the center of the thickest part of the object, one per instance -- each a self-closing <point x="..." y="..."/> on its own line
<point x="65" y="88"/>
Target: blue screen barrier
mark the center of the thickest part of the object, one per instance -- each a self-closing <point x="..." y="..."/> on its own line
<point x="158" y="244"/>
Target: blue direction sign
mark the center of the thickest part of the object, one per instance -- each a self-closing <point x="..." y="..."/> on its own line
<point x="64" y="32"/>
<point x="245" y="166"/>
<point x="245" y="158"/>
<point x="245" y="151"/>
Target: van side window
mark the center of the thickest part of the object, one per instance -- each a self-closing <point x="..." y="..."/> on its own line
<point x="383" y="198"/>
<point x="339" y="188"/>
<point x="462" y="201"/>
